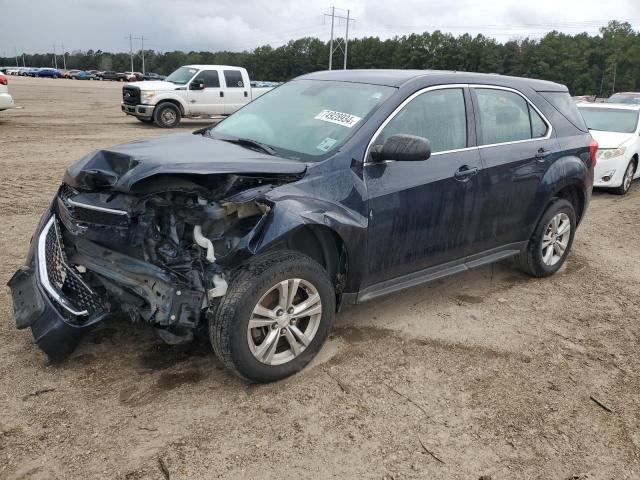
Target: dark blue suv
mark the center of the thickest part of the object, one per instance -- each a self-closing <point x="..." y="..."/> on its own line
<point x="333" y="189"/>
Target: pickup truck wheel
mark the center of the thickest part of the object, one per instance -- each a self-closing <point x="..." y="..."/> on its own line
<point x="551" y="240"/>
<point x="166" y="115"/>
<point x="275" y="316"/>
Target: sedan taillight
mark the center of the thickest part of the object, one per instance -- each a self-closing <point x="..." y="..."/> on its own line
<point x="3" y="80"/>
<point x="593" y="152"/>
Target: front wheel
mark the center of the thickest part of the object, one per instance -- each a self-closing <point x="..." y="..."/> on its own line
<point x="551" y="240"/>
<point x="627" y="179"/>
<point x="166" y="115"/>
<point x="275" y="316"/>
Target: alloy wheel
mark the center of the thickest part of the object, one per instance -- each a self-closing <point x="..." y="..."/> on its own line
<point x="284" y="321"/>
<point x="556" y="239"/>
<point x="628" y="176"/>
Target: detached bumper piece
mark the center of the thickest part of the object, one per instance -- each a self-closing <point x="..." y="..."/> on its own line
<point x="52" y="298"/>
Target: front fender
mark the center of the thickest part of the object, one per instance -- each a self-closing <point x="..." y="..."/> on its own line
<point x="164" y="96"/>
<point x="290" y="214"/>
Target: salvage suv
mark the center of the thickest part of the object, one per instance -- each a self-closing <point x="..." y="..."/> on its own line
<point x="333" y="189"/>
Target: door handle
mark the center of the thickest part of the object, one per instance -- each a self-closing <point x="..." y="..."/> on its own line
<point x="246" y="94"/>
<point x="464" y="173"/>
<point x="222" y="94"/>
<point x="542" y="154"/>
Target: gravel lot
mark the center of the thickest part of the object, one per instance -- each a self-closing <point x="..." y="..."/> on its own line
<point x="487" y="373"/>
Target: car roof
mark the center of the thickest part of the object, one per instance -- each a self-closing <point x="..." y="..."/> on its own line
<point x="626" y="93"/>
<point x="613" y="106"/>
<point x="397" y="78"/>
<point x="200" y="67"/>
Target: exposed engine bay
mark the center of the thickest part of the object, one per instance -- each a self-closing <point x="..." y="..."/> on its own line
<point x="156" y="255"/>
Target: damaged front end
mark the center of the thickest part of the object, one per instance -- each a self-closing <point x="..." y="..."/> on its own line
<point x="155" y="254"/>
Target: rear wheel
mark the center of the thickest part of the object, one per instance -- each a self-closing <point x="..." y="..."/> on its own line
<point x="551" y="240"/>
<point x="627" y="179"/>
<point x="166" y="115"/>
<point x="275" y="316"/>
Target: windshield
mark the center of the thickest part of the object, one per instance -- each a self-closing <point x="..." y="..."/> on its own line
<point x="624" y="98"/>
<point x="182" y="75"/>
<point x="610" y="120"/>
<point x="307" y="118"/>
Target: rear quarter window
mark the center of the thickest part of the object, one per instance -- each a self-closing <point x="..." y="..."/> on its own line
<point x="564" y="104"/>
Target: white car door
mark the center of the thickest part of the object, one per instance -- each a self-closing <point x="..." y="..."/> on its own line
<point x="236" y="94"/>
<point x="208" y="100"/>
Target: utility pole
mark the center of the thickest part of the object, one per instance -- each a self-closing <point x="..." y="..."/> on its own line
<point x="131" y="50"/>
<point x="55" y="59"/>
<point x="64" y="57"/>
<point x="15" y="50"/>
<point x="333" y="16"/>
<point x="615" y="67"/>
<point x="142" y="40"/>
<point x="340" y="44"/>
<point x="346" y="41"/>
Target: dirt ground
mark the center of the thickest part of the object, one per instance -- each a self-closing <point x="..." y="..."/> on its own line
<point x="489" y="373"/>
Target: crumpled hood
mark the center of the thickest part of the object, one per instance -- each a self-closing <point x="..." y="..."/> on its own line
<point x="121" y="167"/>
<point x="610" y="139"/>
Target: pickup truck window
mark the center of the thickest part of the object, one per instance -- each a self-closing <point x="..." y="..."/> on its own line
<point x="305" y="118"/>
<point x="233" y="78"/>
<point x="210" y="79"/>
<point x="182" y="75"/>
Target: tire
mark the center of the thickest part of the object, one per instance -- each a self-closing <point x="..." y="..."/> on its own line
<point x="629" y="172"/>
<point x="532" y="260"/>
<point x="254" y="285"/>
<point x="166" y="115"/>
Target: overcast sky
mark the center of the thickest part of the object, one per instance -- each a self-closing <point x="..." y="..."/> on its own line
<point x="35" y="25"/>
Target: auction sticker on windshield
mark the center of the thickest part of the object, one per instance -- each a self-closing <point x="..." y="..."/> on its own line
<point x="339" y="118"/>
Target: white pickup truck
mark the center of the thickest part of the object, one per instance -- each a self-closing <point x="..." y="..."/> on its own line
<point x="191" y="91"/>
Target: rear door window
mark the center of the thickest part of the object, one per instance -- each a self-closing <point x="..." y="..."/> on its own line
<point x="506" y="116"/>
<point x="233" y="79"/>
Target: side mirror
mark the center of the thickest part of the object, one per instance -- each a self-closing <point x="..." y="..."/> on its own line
<point x="196" y="86"/>
<point x="402" y="148"/>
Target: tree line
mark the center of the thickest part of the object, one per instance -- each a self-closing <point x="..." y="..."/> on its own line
<point x="587" y="64"/>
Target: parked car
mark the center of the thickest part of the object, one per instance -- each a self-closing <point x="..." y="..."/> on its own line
<point x="624" y="97"/>
<point x="12" y="71"/>
<point x="584" y="98"/>
<point x="82" y="75"/>
<point x="133" y="76"/>
<point x="153" y="76"/>
<point x="48" y="73"/>
<point x="110" y="75"/>
<point x="616" y="128"/>
<point x="31" y="72"/>
<point x="69" y="73"/>
<point x="6" y="101"/>
<point x="190" y="91"/>
<point x="333" y="189"/>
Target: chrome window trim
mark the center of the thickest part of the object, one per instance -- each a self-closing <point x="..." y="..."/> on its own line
<point x="461" y="85"/>
<point x="95" y="207"/>
<point x="44" y="275"/>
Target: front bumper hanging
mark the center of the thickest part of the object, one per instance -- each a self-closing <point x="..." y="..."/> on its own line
<point x="51" y="298"/>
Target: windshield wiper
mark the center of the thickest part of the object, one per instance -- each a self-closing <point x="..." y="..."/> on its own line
<point x="247" y="142"/>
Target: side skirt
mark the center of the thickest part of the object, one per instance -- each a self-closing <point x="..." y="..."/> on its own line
<point x="434" y="273"/>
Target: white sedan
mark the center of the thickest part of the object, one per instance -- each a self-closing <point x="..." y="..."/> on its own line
<point x="616" y="128"/>
<point x="5" y="99"/>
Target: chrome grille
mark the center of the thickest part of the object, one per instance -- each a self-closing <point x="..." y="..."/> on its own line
<point x="62" y="282"/>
